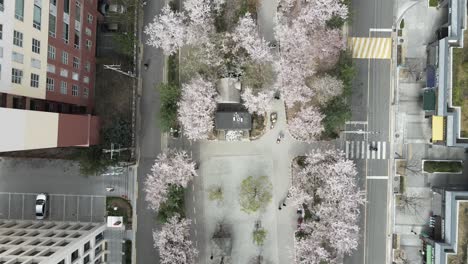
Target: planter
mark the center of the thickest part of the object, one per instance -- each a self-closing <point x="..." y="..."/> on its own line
<point x="442" y="166"/>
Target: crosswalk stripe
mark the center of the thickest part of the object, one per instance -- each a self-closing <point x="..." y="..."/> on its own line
<point x="368" y="152"/>
<point x="363" y="148"/>
<point x="372" y="152"/>
<point x="378" y="150"/>
<point x="358" y="148"/>
<point x="371" y="48"/>
<point x="352" y="149"/>
<point x="347" y="149"/>
<point x="384" y="150"/>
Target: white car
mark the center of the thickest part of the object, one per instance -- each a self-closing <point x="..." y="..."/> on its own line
<point x="113" y="8"/>
<point x="41" y="206"/>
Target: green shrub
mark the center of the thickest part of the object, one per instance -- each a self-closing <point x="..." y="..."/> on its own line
<point x="442" y="166"/>
<point x="402" y="24"/>
<point x="170" y="95"/>
<point x="173" y="205"/>
<point x="173" y="69"/>
<point x="433" y="2"/>
<point x="335" y="22"/>
<point x="336" y="112"/>
<point x="259" y="236"/>
<point x="93" y="161"/>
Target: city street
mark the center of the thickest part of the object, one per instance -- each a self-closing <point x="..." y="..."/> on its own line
<point x="371" y="100"/>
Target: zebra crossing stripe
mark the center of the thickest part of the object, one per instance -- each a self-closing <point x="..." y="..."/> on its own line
<point x="363" y="149"/>
<point x="347" y="149"/>
<point x="378" y="150"/>
<point x="352" y="149"/>
<point x="368" y="152"/>
<point x="384" y="150"/>
<point x="372" y="152"/>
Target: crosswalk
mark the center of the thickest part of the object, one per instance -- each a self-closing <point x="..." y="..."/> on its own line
<point x="362" y="150"/>
<point x="371" y="48"/>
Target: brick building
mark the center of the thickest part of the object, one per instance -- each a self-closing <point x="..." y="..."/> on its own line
<point x="47" y="66"/>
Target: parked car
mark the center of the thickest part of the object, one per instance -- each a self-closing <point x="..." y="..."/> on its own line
<point x="41" y="206"/>
<point x="114" y="8"/>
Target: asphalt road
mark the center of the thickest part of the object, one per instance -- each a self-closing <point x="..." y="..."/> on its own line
<point x="371" y="105"/>
<point x="149" y="139"/>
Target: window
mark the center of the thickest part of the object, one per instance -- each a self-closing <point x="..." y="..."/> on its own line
<point x="51" y="52"/>
<point x="50" y="68"/>
<point x="53" y="2"/>
<point x="35" y="63"/>
<point x="75" y="91"/>
<point x="50" y="84"/>
<point x="52" y="25"/>
<point x="85" y="92"/>
<point x="76" y="63"/>
<point x="64" y="57"/>
<point x="18" y="38"/>
<point x="66" y="6"/>
<point x="75" y="76"/>
<point x="17" y="57"/>
<point x="1" y="31"/>
<point x="63" y="87"/>
<point x="86" y="79"/>
<point x="88" y="66"/>
<point x="36" y="46"/>
<point x="77" y="39"/>
<point x="1" y="52"/>
<point x="88" y="32"/>
<point x="1" y="5"/>
<point x="87" y="246"/>
<point x="16" y="75"/>
<point x="34" y="80"/>
<point x="19" y="9"/>
<point x="64" y="72"/>
<point x="66" y="34"/>
<point x="78" y="11"/>
<point x="90" y="18"/>
<point x="88" y="44"/>
<point x="37" y="17"/>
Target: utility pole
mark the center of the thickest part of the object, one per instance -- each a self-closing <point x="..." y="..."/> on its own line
<point x="116" y="67"/>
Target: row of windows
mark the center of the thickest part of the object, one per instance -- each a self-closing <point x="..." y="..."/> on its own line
<point x="51" y="54"/>
<point x="18" y="41"/>
<point x="37" y="12"/>
<point x="75" y="89"/>
<point x="17" y="77"/>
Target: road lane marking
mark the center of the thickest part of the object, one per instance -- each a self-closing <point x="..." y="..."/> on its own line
<point x="380" y="30"/>
<point x="377" y="177"/>
<point x="368" y="151"/>
<point x="195" y="221"/>
<point x="378" y="150"/>
<point x="9" y="204"/>
<point x="352" y="149"/>
<point x="372" y="151"/>
<point x="77" y="207"/>
<point x="64" y="201"/>
<point x="371" y="48"/>
<point x="194" y="210"/>
<point x="363" y="149"/>
<point x="22" y="209"/>
<point x="384" y="150"/>
<point x="356" y="122"/>
<point x="347" y="149"/>
<point x="91" y="209"/>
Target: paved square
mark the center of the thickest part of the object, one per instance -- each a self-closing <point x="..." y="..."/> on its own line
<point x="228" y="172"/>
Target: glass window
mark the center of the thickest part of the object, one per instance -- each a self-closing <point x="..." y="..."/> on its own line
<point x="1" y="6"/>
<point x="53" y="2"/>
<point x="35" y="63"/>
<point x="17" y="57"/>
<point x="66" y="32"/>
<point x="36" y="46"/>
<point x="37" y="17"/>
<point x="86" y="79"/>
<point x="63" y="87"/>
<point x="64" y="73"/>
<point x="16" y="76"/>
<point x="88" y="32"/>
<point x="88" y="66"/>
<point x="76" y="63"/>
<point x="77" y="11"/>
<point x="34" y="80"/>
<point x="89" y="43"/>
<point x="85" y="92"/>
<point x="77" y="39"/>
<point x="51" y="52"/>
<point x="52" y="25"/>
<point x="66" y="6"/>
<point x="1" y="31"/>
<point x="19" y="9"/>
<point x="75" y="90"/>
<point x="18" y="38"/>
<point x="90" y="18"/>
<point x="50" y="84"/>
<point x="64" y="57"/>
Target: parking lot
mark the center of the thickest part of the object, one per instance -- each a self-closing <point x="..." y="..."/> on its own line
<point x="62" y="207"/>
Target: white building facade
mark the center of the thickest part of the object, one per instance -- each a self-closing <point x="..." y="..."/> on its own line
<point x="46" y="242"/>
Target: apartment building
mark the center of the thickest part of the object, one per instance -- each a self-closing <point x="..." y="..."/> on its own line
<point x="45" y="242"/>
<point x="47" y="66"/>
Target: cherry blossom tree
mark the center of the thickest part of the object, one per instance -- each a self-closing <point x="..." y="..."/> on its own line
<point x="170" y="168"/>
<point x="329" y="177"/>
<point x="173" y="242"/>
<point x="307" y="124"/>
<point x="196" y="108"/>
<point x="326" y="87"/>
<point x="315" y="13"/>
<point x="246" y="36"/>
<point x="259" y="103"/>
<point x="167" y="31"/>
<point x="327" y="45"/>
<point x="200" y="21"/>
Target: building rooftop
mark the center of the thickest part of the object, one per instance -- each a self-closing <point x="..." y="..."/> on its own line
<point x="233" y="121"/>
<point x="229" y="90"/>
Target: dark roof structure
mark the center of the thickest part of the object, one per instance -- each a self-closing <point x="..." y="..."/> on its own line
<point x="233" y="121"/>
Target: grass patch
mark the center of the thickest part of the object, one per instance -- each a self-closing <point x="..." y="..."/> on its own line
<point x="402" y="24"/>
<point x="117" y="206"/>
<point x="462" y="236"/>
<point x="460" y="84"/>
<point x="173" y="69"/>
<point x="433" y="3"/>
<point x="170" y="95"/>
<point x="443" y="166"/>
<point x="258" y="125"/>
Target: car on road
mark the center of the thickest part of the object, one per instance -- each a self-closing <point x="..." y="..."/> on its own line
<point x="41" y="206"/>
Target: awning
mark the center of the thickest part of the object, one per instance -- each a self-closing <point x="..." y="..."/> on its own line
<point x="428" y="254"/>
<point x="437" y="128"/>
